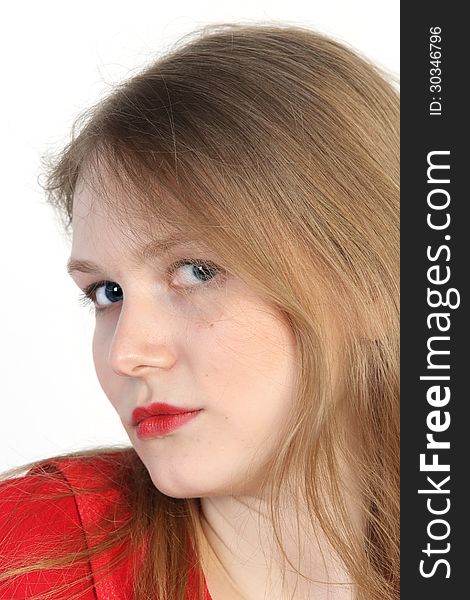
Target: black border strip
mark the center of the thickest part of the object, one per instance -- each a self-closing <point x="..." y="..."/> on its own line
<point x="434" y="272"/>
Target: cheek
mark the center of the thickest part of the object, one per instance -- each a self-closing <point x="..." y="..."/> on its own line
<point x="247" y="370"/>
<point x="100" y="348"/>
<point x="98" y="354"/>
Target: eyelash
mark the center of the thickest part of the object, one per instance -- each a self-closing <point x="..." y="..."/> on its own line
<point x="89" y="293"/>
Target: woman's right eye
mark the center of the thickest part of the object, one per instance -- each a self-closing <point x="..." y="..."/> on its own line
<point x="89" y="295"/>
<point x="97" y="293"/>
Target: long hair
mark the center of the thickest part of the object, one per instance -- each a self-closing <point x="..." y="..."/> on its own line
<point x="279" y="148"/>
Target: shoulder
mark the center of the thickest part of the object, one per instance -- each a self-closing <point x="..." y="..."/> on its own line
<point x="57" y="499"/>
<point x="33" y="502"/>
<point x="54" y="487"/>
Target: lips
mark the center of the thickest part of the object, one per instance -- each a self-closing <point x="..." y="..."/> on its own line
<point x="155" y="409"/>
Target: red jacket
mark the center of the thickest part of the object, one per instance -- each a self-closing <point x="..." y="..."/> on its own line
<point x="62" y="516"/>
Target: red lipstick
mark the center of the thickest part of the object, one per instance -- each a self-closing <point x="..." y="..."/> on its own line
<point x="159" y="418"/>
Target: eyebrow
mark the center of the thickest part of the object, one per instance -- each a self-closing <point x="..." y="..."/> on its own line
<point x="150" y="250"/>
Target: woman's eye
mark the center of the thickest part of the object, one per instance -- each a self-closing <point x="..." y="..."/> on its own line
<point x="195" y="270"/>
<point x="194" y="273"/>
<point x="98" y="293"/>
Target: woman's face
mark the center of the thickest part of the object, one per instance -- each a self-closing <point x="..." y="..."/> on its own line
<point x="189" y="341"/>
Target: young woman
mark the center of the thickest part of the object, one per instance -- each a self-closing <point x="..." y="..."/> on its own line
<point x="235" y="218"/>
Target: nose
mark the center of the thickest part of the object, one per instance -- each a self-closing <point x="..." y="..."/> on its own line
<point x="143" y="340"/>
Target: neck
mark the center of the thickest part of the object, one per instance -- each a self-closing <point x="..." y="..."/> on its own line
<point x="241" y="560"/>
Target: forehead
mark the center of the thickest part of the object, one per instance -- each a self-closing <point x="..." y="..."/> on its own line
<point x="104" y="213"/>
<point x="104" y="231"/>
<point x="103" y="204"/>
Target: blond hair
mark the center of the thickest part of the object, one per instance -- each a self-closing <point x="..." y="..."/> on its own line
<point x="279" y="148"/>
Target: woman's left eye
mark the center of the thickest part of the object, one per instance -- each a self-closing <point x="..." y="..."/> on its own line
<point x="95" y="294"/>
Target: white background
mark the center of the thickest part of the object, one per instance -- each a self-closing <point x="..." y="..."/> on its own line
<point x="58" y="58"/>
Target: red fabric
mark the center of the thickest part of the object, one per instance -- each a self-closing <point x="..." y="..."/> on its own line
<point x="34" y="516"/>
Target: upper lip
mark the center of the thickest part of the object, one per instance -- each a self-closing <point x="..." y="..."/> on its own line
<point x="157" y="408"/>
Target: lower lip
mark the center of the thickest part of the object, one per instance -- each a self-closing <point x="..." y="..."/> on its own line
<point x="163" y="424"/>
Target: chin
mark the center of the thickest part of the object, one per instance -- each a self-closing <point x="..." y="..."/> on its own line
<point x="174" y="485"/>
<point x="177" y="486"/>
<point x="178" y="491"/>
